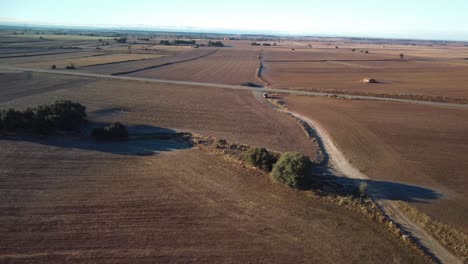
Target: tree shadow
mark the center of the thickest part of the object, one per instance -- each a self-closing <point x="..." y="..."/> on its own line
<point x="145" y="140"/>
<point x="323" y="178"/>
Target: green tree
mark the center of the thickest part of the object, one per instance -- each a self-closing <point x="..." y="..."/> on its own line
<point x="291" y="169"/>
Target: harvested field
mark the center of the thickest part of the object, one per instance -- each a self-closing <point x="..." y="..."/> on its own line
<point x="17" y="85"/>
<point x="226" y="66"/>
<point x="421" y="145"/>
<point x="234" y="115"/>
<point x="74" y="205"/>
<point x="92" y="60"/>
<point x="44" y="57"/>
<point x="340" y="71"/>
<point x="136" y="66"/>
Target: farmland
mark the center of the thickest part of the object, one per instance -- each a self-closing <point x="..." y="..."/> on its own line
<point x="75" y="205"/>
<point x="434" y="76"/>
<point x="415" y="144"/>
<point x="71" y="199"/>
<point x="227" y="66"/>
<point x="229" y="114"/>
<point x="92" y="60"/>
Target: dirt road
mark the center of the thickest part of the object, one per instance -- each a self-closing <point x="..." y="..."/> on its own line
<point x="234" y="87"/>
<point x="341" y="167"/>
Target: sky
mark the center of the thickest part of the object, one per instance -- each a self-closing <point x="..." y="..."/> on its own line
<point x="418" y="19"/>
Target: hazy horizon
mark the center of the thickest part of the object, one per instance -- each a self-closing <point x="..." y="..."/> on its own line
<point x="375" y="19"/>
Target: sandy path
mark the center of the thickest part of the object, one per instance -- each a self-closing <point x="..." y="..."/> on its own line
<point x="341" y="166"/>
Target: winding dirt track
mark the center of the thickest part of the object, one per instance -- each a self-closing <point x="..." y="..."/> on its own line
<point x="233" y="87"/>
<point x="342" y="167"/>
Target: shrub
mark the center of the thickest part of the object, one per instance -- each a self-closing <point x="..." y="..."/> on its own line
<point x="215" y="44"/>
<point x="291" y="169"/>
<point x="70" y="66"/>
<point x="260" y="158"/>
<point x="114" y="132"/>
<point x="363" y="189"/>
<point x="251" y="84"/>
<point x="121" y="40"/>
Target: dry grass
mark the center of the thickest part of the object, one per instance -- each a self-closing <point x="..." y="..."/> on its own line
<point x="451" y="237"/>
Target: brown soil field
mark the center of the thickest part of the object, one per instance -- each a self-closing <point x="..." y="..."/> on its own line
<point x="72" y="205"/>
<point x="340" y="70"/>
<point x="225" y="66"/>
<point x="16" y="85"/>
<point x="45" y="58"/>
<point x="91" y="61"/>
<point x="421" y="145"/>
<point x="234" y="115"/>
<point x="129" y="67"/>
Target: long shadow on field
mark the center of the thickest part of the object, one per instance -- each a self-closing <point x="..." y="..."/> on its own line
<point x="377" y="189"/>
<point x="144" y="140"/>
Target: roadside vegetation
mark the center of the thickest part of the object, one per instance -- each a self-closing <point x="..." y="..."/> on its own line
<point x="292" y="169"/>
<point x="261" y="158"/>
<point x="451" y="237"/>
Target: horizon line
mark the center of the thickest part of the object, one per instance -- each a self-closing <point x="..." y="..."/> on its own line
<point x="240" y="32"/>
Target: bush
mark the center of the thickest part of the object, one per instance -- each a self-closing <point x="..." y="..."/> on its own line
<point x="70" y="66"/>
<point x="251" y="84"/>
<point x="291" y="169"/>
<point x="260" y="158"/>
<point x="114" y="132"/>
<point x="215" y="44"/>
<point x="121" y="40"/>
<point x="363" y="189"/>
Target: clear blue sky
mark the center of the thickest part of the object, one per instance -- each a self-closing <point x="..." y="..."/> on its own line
<point x="433" y="19"/>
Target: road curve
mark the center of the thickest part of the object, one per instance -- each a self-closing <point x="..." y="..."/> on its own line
<point x="343" y="167"/>
<point x="233" y="87"/>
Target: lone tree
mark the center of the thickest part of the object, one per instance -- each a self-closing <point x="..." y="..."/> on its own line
<point x="402" y="56"/>
<point x="291" y="169"/>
